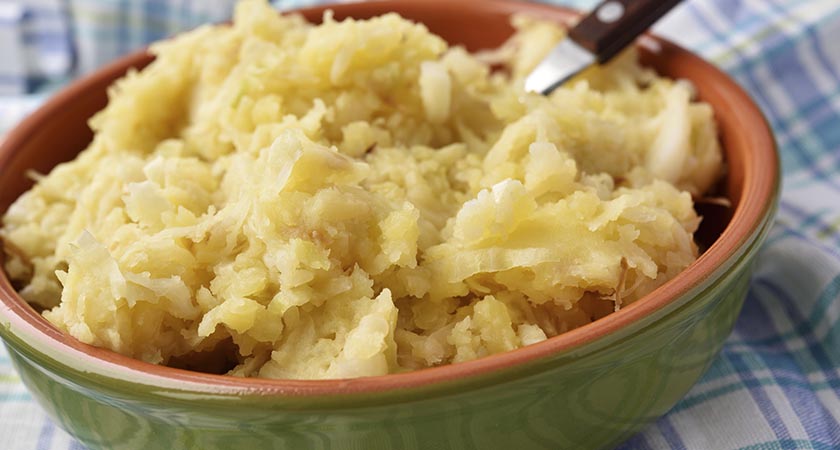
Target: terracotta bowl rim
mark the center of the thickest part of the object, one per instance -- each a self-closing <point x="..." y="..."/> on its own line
<point x="760" y="188"/>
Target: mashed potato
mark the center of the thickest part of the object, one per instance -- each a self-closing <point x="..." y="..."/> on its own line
<point x="277" y="199"/>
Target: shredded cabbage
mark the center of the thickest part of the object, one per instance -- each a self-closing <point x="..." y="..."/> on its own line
<point x="358" y="198"/>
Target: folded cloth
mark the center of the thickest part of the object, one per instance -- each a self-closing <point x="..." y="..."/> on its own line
<point x="776" y="384"/>
<point x="13" y="74"/>
<point x="35" y="44"/>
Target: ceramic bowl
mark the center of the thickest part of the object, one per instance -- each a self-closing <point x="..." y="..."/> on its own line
<point x="589" y="388"/>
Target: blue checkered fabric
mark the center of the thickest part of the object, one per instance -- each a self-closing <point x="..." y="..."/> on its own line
<point x="776" y="384"/>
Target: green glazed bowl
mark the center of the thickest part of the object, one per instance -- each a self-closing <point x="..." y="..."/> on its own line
<point x="592" y="387"/>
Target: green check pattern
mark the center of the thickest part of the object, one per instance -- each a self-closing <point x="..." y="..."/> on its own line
<point x="776" y="384"/>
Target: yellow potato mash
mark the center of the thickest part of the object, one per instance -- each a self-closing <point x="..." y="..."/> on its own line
<point x="277" y="199"/>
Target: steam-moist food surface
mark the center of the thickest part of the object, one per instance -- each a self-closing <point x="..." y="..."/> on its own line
<point x="283" y="200"/>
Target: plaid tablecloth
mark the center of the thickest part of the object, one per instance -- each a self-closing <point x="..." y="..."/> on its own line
<point x="776" y="384"/>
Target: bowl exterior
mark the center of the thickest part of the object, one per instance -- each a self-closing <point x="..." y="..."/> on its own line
<point x="594" y="396"/>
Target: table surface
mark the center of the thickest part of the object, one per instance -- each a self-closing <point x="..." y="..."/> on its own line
<point x="776" y="384"/>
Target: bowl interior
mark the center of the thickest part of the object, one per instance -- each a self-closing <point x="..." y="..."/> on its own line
<point x="58" y="132"/>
